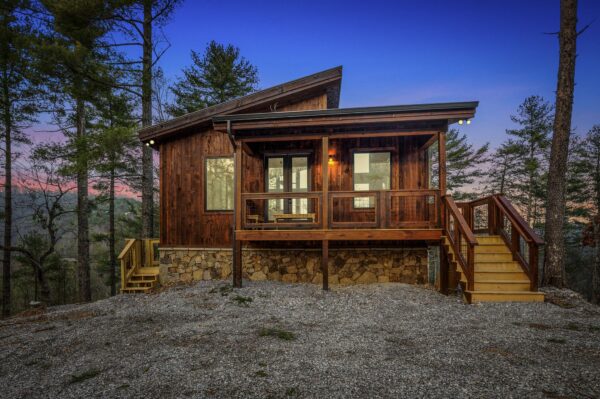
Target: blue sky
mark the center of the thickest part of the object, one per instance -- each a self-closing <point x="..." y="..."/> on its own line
<point x="403" y="52"/>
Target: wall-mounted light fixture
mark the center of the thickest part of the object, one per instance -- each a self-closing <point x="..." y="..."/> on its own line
<point x="468" y="121"/>
<point x="460" y="121"/>
<point x="331" y="160"/>
<point x="152" y="141"/>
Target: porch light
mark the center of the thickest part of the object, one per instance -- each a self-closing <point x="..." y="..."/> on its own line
<point x="147" y="144"/>
<point x="460" y="121"/>
<point x="152" y="141"/>
<point x="468" y="121"/>
<point x="331" y="160"/>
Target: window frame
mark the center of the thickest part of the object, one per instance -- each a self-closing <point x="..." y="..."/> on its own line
<point x="354" y="151"/>
<point x="206" y="159"/>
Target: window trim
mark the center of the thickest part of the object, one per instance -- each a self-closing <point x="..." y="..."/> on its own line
<point x="205" y="179"/>
<point x="354" y="151"/>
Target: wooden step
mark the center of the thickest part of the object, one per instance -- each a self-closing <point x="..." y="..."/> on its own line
<point x="500" y="275"/>
<point x="144" y="277"/>
<point x="503" y="296"/>
<point x="492" y="248"/>
<point x="493" y="257"/>
<point x="148" y="270"/>
<point x="489" y="240"/>
<point x="135" y="289"/>
<point x="492" y="266"/>
<point x="501" y="285"/>
<point x="133" y="284"/>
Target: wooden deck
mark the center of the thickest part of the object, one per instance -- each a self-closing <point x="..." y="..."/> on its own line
<point x="339" y="235"/>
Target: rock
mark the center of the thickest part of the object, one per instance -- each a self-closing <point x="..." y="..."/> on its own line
<point x="289" y="278"/>
<point x="197" y="275"/>
<point x="333" y="279"/>
<point x="225" y="270"/>
<point x="383" y="279"/>
<point x="185" y="277"/>
<point x="275" y="276"/>
<point x="292" y="270"/>
<point x="317" y="279"/>
<point x="346" y="281"/>
<point x="258" y="276"/>
<point x="206" y="275"/>
<point x="367" y="278"/>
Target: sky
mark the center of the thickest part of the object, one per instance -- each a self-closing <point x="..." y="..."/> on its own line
<point x="404" y="52"/>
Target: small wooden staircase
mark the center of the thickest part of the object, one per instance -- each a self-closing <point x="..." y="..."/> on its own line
<point x="499" y="264"/>
<point x="498" y="278"/>
<point x="139" y="266"/>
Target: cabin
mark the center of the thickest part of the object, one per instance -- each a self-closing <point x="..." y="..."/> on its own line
<point x="282" y="184"/>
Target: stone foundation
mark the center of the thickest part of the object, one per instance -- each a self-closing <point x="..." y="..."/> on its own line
<point x="346" y="266"/>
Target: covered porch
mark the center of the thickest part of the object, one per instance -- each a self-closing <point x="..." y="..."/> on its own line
<point x="368" y="174"/>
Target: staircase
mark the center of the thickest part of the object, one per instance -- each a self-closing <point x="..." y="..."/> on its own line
<point x="499" y="264"/>
<point x="497" y="277"/>
<point x="139" y="266"/>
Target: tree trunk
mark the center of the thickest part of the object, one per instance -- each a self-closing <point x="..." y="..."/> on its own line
<point x="83" y="240"/>
<point x="554" y="268"/>
<point x="44" y="286"/>
<point x="111" y="235"/>
<point x="147" y="164"/>
<point x="6" y="256"/>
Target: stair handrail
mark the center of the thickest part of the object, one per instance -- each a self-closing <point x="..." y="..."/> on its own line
<point x="522" y="228"/>
<point x="130" y="258"/>
<point x="458" y="233"/>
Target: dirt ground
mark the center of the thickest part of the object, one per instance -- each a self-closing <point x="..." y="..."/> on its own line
<point x="275" y="340"/>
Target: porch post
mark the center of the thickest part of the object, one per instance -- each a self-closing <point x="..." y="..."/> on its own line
<point x="237" y="216"/>
<point x="442" y="152"/>
<point x="325" y="210"/>
<point x="325" y="264"/>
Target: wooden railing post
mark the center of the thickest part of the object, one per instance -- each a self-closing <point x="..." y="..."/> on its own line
<point x="533" y="265"/>
<point x="325" y="177"/>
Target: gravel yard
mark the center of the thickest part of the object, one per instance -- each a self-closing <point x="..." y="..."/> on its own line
<point x="274" y="340"/>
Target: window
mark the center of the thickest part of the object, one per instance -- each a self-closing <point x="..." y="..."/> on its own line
<point x="219" y="184"/>
<point x="371" y="173"/>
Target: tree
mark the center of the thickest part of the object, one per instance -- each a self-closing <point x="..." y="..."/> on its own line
<point x="138" y="21"/>
<point x="463" y="161"/>
<point x="20" y="101"/>
<point x="219" y="75"/>
<point x="501" y="178"/>
<point x="79" y="63"/>
<point x="46" y="189"/>
<point x="554" y="268"/>
<point x="584" y="190"/>
<point x="115" y="162"/>
<point x="530" y="143"/>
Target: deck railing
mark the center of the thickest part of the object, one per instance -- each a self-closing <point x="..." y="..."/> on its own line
<point x="393" y="209"/>
<point x="136" y="254"/>
<point x="461" y="238"/>
<point x="495" y="215"/>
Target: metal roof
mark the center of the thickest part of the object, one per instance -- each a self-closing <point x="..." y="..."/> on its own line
<point x="389" y="109"/>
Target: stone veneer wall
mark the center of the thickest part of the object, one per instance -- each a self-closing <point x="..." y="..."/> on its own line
<point x="346" y="266"/>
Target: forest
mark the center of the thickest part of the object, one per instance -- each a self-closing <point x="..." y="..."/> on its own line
<point x="88" y="70"/>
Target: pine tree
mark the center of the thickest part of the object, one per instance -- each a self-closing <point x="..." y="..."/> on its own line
<point x="531" y="142"/>
<point x="20" y="100"/>
<point x="502" y="175"/>
<point x="115" y="160"/>
<point x="219" y="75"/>
<point x="463" y="162"/>
<point x="78" y="67"/>
<point x="139" y="20"/>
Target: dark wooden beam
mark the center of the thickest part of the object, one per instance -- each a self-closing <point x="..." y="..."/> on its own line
<point x="444" y="270"/>
<point x="237" y="217"/>
<point x="340" y="235"/>
<point x="325" y="264"/>
<point x="429" y="142"/>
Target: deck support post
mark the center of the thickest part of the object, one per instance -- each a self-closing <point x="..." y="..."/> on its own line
<point x="237" y="219"/>
<point x="444" y="270"/>
<point x="325" y="264"/>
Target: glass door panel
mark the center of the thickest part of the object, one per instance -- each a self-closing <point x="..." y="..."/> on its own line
<point x="299" y="183"/>
<point x="275" y="184"/>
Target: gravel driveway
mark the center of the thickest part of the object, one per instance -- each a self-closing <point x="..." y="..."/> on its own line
<point x="274" y="340"/>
